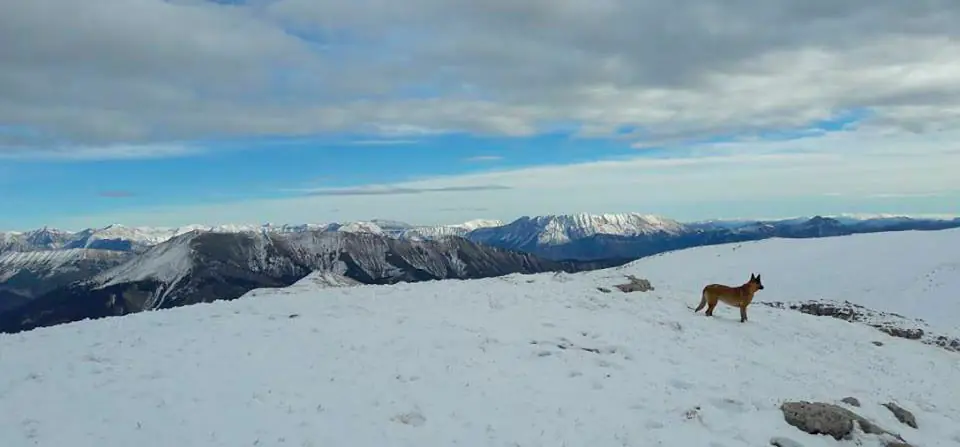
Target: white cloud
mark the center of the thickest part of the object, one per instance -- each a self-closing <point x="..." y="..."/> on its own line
<point x="852" y="165"/>
<point x="108" y="152"/>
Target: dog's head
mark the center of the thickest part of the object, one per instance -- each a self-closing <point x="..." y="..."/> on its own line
<point x="755" y="282"/>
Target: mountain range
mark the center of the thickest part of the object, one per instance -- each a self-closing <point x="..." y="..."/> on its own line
<point x="49" y="276"/>
<point x="204" y="266"/>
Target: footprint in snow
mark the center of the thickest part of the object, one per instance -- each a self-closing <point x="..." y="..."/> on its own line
<point x="413" y="418"/>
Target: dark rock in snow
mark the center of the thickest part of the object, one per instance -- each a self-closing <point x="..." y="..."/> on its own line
<point x="818" y="418"/>
<point x="852" y="401"/>
<point x="901" y="414"/>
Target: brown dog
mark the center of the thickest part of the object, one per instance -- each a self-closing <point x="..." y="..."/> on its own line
<point x="732" y="296"/>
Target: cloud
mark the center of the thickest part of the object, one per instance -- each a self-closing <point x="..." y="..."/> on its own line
<point x="382" y="142"/>
<point x="95" y="153"/>
<point x="841" y="172"/>
<point x="116" y="194"/>
<point x="121" y="72"/>
<point x="482" y="158"/>
<point x="397" y="190"/>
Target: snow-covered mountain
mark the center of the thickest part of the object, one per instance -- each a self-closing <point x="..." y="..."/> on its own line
<point x="555" y="236"/>
<point x="532" y="231"/>
<point x="39" y="239"/>
<point x="31" y="274"/>
<point x="203" y="266"/>
<point x="441" y="231"/>
<point x="590" y="237"/>
<point x="544" y="359"/>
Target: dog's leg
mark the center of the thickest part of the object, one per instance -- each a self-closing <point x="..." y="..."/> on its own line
<point x="711" y="304"/>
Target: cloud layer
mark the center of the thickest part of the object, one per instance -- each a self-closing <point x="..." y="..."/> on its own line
<point x="805" y="176"/>
<point x="141" y="74"/>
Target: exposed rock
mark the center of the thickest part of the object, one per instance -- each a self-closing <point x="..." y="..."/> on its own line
<point x="902" y="415"/>
<point x="887" y="322"/>
<point x="851" y="401"/>
<point x="910" y="334"/>
<point x="877" y="343"/>
<point x="635" y="285"/>
<point x="818" y="418"/>
<point x="604" y="289"/>
<point x="200" y="267"/>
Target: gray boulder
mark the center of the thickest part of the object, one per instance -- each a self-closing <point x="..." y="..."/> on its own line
<point x="818" y="418"/>
<point x="902" y="415"/>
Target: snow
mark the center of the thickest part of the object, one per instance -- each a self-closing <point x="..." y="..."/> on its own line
<point x="308" y="284"/>
<point x="558" y="229"/>
<point x="526" y="360"/>
<point x="442" y="231"/>
<point x="49" y="261"/>
<point x="362" y="227"/>
<point x="913" y="273"/>
<point x="166" y="263"/>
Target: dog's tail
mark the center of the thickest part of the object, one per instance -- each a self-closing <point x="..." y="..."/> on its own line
<point x="703" y="301"/>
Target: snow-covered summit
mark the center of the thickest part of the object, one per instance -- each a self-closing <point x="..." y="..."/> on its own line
<point x="558" y="229"/>
<point x="440" y="231"/>
<point x="167" y="263"/>
<point x="562" y="228"/>
<point x="546" y="359"/>
<point x="362" y="227"/>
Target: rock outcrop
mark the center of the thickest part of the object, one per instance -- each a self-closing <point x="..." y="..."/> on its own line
<point x="819" y="418"/>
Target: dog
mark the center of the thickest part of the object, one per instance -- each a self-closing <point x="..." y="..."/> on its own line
<point x="740" y="296"/>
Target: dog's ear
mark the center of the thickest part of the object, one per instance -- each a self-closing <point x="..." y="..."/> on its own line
<point x="752" y="277"/>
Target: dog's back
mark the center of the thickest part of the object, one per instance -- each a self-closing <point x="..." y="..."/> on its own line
<point x="732" y="296"/>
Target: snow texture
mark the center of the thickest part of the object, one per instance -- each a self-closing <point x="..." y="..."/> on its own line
<point x="311" y="283"/>
<point x="531" y="360"/>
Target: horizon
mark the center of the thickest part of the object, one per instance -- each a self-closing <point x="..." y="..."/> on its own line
<point x="439" y="112"/>
<point x="858" y="216"/>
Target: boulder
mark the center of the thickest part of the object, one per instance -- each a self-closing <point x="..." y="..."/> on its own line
<point x="635" y="285"/>
<point x="902" y="415"/>
<point x="818" y="418"/>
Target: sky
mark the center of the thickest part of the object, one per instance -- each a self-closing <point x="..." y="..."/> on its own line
<point x="151" y="112"/>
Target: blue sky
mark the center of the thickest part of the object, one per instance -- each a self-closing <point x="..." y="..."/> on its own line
<point x="441" y="112"/>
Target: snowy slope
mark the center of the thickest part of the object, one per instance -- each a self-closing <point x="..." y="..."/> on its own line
<point x="543" y="359"/>
<point x="33" y="273"/>
<point x="440" y="231"/>
<point x="39" y="239"/>
<point x="912" y="273"/>
<point x="45" y="263"/>
<point x="166" y="263"/>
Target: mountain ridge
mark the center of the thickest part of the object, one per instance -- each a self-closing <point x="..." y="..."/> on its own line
<point x="525" y="231"/>
<point x="202" y="266"/>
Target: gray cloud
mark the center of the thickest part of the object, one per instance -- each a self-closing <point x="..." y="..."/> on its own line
<point x="389" y="191"/>
<point x="147" y="72"/>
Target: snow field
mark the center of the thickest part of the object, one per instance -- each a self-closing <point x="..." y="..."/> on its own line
<point x="538" y="360"/>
